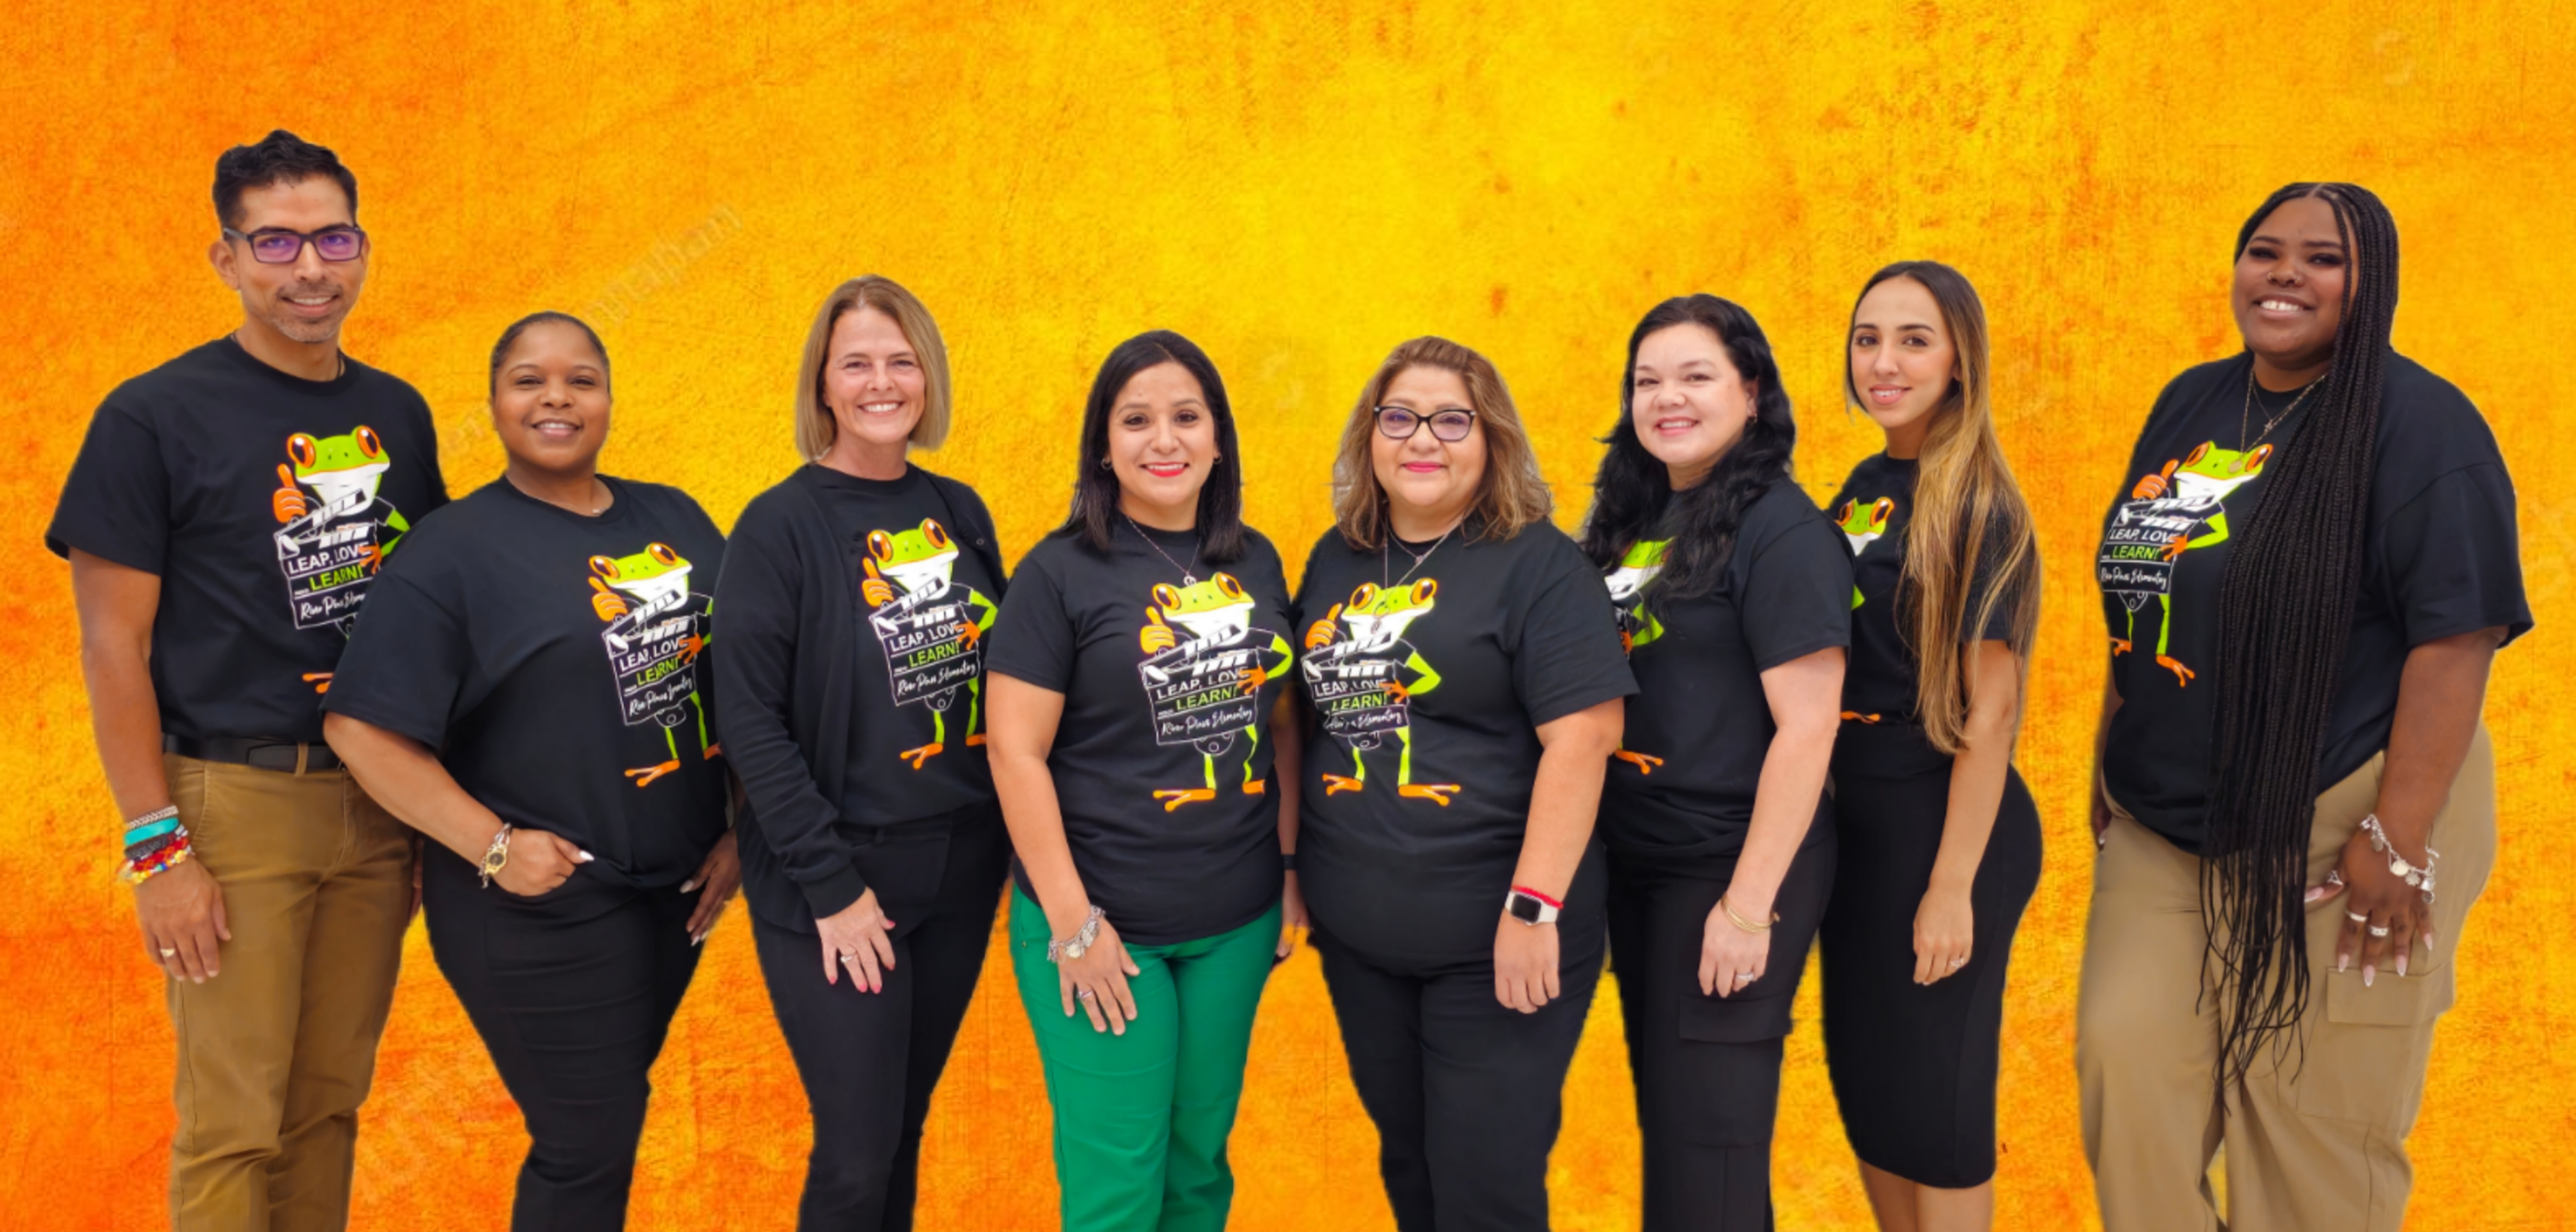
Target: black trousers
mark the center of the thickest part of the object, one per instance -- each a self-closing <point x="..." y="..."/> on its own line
<point x="870" y="1061"/>
<point x="1914" y="1067"/>
<point x="1467" y="1094"/>
<point x="1707" y="1068"/>
<point x="572" y="991"/>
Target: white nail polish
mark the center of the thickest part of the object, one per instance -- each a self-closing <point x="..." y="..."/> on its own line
<point x="2366" y="974"/>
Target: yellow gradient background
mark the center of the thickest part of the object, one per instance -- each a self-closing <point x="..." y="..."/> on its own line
<point x="1297" y="187"/>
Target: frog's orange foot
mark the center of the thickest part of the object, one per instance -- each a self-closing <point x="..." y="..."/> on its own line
<point x="690" y="646"/>
<point x="1627" y="641"/>
<point x="973" y="740"/>
<point x="968" y="634"/>
<point x="714" y="751"/>
<point x="1395" y="689"/>
<point x="1336" y="784"/>
<point x="2183" y="676"/>
<point x="321" y="681"/>
<point x="1257" y="787"/>
<point x="922" y="754"/>
<point x="2176" y="546"/>
<point x="1175" y="797"/>
<point x="2121" y="646"/>
<point x="644" y="776"/>
<point x="1254" y="677"/>
<point x="1854" y="716"/>
<point x="1644" y="762"/>
<point x="1437" y="793"/>
<point x="374" y="556"/>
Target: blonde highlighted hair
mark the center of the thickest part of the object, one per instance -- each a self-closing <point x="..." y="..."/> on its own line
<point x="1970" y="523"/>
<point x="1511" y="496"/>
<point x="815" y="427"/>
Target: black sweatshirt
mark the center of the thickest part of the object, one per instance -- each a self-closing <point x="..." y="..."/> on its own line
<point x="788" y="613"/>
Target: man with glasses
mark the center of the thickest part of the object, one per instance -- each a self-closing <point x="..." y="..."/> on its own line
<point x="224" y="519"/>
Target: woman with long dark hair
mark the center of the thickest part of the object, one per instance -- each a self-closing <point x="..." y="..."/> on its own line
<point x="1734" y="599"/>
<point x="852" y="610"/>
<point x="1463" y="687"/>
<point x="2306" y="580"/>
<point x="1940" y="838"/>
<point x="1135" y="671"/>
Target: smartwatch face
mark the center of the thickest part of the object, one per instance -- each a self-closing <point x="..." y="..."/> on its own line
<point x="1523" y="908"/>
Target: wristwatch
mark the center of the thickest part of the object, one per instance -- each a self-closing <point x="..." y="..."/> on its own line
<point x="1531" y="907"/>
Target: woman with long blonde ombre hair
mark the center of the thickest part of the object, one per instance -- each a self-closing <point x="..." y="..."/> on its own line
<point x="1939" y="836"/>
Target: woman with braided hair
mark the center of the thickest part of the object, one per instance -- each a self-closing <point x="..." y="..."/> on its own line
<point x="2295" y="800"/>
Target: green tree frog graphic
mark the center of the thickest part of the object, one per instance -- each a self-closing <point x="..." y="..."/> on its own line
<point x="2168" y="513"/>
<point x="1363" y="677"/>
<point x="333" y="530"/>
<point x="1203" y="679"/>
<point x="656" y="630"/>
<point x="1637" y="626"/>
<point x="1862" y="525"/>
<point x="930" y="627"/>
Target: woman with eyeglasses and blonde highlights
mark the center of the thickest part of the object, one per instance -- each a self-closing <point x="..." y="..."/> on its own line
<point x="1735" y="604"/>
<point x="853" y="608"/>
<point x="1940" y="839"/>
<point x="1463" y="687"/>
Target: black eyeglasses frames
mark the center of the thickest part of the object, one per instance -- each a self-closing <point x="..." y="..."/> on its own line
<point x="1449" y="423"/>
<point x="279" y="246"/>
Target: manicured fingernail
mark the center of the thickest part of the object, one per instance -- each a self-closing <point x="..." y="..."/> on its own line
<point x="692" y="884"/>
<point x="2367" y="971"/>
<point x="2401" y="964"/>
<point x="585" y="857"/>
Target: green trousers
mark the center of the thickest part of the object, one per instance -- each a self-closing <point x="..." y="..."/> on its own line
<point x="1141" y="1119"/>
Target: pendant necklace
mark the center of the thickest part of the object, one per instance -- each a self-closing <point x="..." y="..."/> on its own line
<point x="1188" y="577"/>
<point x="2246" y="416"/>
<point x="1384" y="567"/>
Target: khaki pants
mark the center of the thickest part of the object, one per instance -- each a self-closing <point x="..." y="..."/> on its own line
<point x="276" y="1053"/>
<point x="2315" y="1136"/>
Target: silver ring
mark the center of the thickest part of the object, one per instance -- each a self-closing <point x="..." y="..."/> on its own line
<point x="2334" y="876"/>
<point x="1081" y="994"/>
<point x="2356" y="917"/>
<point x="2379" y="931"/>
<point x="169" y="953"/>
<point x="1957" y="963"/>
<point x="1743" y="977"/>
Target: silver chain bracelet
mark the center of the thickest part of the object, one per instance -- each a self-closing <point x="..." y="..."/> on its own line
<point x="1073" y="946"/>
<point x="2419" y="878"/>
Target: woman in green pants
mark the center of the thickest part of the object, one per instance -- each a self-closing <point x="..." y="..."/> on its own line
<point x="1135" y="670"/>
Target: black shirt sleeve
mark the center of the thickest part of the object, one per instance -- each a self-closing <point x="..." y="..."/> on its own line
<point x="2452" y="557"/>
<point x="1033" y="636"/>
<point x="757" y="611"/>
<point x="1990" y="559"/>
<point x="1797" y="594"/>
<point x="116" y="503"/>
<point x="1567" y="657"/>
<point x="408" y="665"/>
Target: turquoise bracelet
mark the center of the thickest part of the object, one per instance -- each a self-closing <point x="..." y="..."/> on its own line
<point x="150" y="830"/>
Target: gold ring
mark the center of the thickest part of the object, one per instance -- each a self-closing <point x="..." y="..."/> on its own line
<point x="169" y="953"/>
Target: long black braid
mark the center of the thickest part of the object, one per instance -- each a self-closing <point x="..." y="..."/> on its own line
<point x="2285" y="613"/>
<point x="1632" y="493"/>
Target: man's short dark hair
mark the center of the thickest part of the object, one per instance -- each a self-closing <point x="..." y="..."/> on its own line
<point x="280" y="157"/>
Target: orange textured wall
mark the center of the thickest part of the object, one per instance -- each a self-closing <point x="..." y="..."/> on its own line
<point x="1297" y="187"/>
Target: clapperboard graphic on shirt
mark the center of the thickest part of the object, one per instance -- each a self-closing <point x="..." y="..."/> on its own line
<point x="1196" y="688"/>
<point x="924" y="633"/>
<point x="2133" y="564"/>
<point x="329" y="558"/>
<point x="654" y="655"/>
<point x="1350" y="691"/>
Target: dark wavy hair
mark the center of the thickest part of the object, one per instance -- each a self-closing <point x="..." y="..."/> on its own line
<point x="280" y="157"/>
<point x="1095" y="515"/>
<point x="1632" y="495"/>
<point x="2285" y="610"/>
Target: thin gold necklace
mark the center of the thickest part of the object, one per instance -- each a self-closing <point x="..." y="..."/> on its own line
<point x="2246" y="416"/>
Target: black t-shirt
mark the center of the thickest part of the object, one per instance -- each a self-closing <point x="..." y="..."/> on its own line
<point x="1872" y="511"/>
<point x="560" y="665"/>
<point x="266" y="504"/>
<point x="917" y="740"/>
<point x="1700" y="725"/>
<point x="1427" y="685"/>
<point x="2440" y="558"/>
<point x="1161" y="761"/>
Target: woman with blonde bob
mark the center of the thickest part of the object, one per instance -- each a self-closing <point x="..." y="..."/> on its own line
<point x="1463" y="688"/>
<point x="1939" y="836"/>
<point x="853" y="606"/>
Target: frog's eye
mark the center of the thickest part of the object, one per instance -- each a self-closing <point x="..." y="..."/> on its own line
<point x="2197" y="453"/>
<point x="1884" y="509"/>
<point x="1226" y="584"/>
<point x="1165" y="596"/>
<point x="368" y="443"/>
<point x="2254" y="461"/>
<point x="662" y="554"/>
<point x="1423" y="590"/>
<point x="605" y="567"/>
<point x="881" y="546"/>
<point x="1366" y="594"/>
<point x="302" y="451"/>
<point x="1844" y="515"/>
<point x="936" y="534"/>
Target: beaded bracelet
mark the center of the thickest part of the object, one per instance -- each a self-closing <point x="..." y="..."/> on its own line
<point x="2419" y="878"/>
<point x="169" y="856"/>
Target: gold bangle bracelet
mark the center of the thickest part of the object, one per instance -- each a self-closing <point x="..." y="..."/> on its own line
<point x="1740" y="922"/>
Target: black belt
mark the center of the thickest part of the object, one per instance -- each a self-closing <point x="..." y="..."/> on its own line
<point x="284" y="755"/>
